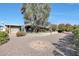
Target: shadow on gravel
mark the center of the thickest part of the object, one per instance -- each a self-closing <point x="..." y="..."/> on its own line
<point x="64" y="46"/>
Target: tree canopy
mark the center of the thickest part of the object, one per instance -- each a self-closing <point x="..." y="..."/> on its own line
<point x="36" y="13"/>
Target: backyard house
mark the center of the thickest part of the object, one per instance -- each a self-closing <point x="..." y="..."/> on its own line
<point x="13" y="28"/>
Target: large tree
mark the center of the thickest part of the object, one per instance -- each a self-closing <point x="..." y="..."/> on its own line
<point x="36" y="13"/>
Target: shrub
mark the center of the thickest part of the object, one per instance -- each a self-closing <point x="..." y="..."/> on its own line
<point x="60" y="31"/>
<point x="3" y="37"/>
<point x="65" y="27"/>
<point x="61" y="27"/>
<point x="68" y="27"/>
<point x="18" y="34"/>
<point x="53" y="27"/>
<point x="76" y="37"/>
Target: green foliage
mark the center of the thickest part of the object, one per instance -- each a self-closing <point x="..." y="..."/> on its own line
<point x="61" y="27"/>
<point x="65" y="27"/>
<point x="76" y="37"/>
<point x="68" y="27"/>
<point x="36" y="13"/>
<point x="3" y="37"/>
<point x="53" y="27"/>
<point x="75" y="27"/>
<point x="18" y="34"/>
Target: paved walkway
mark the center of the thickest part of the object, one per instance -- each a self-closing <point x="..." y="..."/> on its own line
<point x="21" y="46"/>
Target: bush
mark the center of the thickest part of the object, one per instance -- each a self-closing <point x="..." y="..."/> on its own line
<point x="68" y="28"/>
<point x="60" y="31"/>
<point x="18" y="34"/>
<point x="61" y="27"/>
<point x="53" y="27"/>
<point x="65" y="27"/>
<point x="76" y="37"/>
<point x="3" y="37"/>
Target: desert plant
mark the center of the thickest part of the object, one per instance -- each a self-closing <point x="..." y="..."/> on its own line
<point x="20" y="33"/>
<point x="65" y="27"/>
<point x="76" y="37"/>
<point x="3" y="37"/>
<point x="68" y="27"/>
<point x="61" y="27"/>
<point x="53" y="27"/>
<point x="74" y="27"/>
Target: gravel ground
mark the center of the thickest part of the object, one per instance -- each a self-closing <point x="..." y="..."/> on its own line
<point x="22" y="46"/>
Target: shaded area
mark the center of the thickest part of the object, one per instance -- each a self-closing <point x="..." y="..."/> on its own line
<point x="64" y="46"/>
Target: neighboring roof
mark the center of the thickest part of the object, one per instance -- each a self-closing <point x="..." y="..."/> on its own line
<point x="12" y="25"/>
<point x="1" y="26"/>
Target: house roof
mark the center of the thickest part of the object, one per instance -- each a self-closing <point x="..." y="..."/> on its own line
<point x="12" y="25"/>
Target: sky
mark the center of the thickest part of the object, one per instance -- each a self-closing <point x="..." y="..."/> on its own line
<point x="11" y="14"/>
<point x="60" y="13"/>
<point x="64" y="13"/>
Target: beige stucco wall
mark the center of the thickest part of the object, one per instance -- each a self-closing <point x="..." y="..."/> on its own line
<point x="14" y="30"/>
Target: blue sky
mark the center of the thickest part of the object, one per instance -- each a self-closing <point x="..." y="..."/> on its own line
<point x="64" y="13"/>
<point x="60" y="13"/>
<point x="11" y="14"/>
